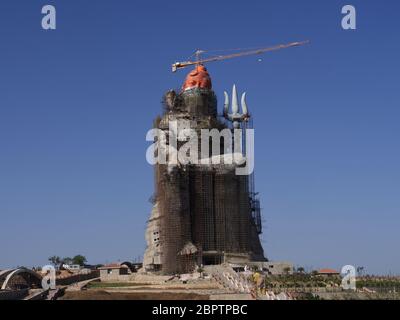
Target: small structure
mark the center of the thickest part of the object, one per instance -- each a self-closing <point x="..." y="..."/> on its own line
<point x="133" y="267"/>
<point x="19" y="279"/>
<point x="278" y="268"/>
<point x="113" y="271"/>
<point x="71" y="267"/>
<point x="328" y="273"/>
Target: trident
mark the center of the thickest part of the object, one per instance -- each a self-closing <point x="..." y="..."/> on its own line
<point x="235" y="116"/>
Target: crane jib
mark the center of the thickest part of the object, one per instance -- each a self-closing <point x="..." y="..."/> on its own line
<point x="180" y="65"/>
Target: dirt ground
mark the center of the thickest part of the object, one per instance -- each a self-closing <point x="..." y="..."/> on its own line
<point x="104" y="295"/>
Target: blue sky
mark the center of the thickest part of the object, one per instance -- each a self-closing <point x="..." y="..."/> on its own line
<point x="76" y="103"/>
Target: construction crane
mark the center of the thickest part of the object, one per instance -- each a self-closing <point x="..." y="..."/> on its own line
<point x="184" y="64"/>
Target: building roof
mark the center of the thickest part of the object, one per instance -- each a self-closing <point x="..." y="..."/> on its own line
<point x="328" y="271"/>
<point x="113" y="266"/>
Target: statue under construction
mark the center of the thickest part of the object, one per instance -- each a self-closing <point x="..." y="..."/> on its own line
<point x="204" y="212"/>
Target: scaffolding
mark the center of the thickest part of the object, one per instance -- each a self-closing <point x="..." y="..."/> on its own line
<point x="206" y="212"/>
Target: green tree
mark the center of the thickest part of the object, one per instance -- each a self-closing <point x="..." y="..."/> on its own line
<point x="55" y="260"/>
<point x="360" y="270"/>
<point x="79" y="260"/>
<point x="67" y="260"/>
<point x="314" y="272"/>
<point x="300" y="270"/>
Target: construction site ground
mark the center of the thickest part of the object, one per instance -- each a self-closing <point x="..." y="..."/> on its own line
<point x="154" y="288"/>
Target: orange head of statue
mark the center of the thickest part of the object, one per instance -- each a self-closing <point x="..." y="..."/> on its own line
<point x="197" y="78"/>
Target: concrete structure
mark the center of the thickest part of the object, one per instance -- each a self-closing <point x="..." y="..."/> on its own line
<point x="21" y="278"/>
<point x="72" y="267"/>
<point x="68" y="279"/>
<point x="278" y="268"/>
<point x="152" y="257"/>
<point x="269" y="267"/>
<point x="202" y="214"/>
<point x="113" y="272"/>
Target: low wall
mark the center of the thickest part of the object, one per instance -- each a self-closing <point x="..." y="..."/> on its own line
<point x="77" y="278"/>
<point x="13" y="295"/>
<point x="117" y="278"/>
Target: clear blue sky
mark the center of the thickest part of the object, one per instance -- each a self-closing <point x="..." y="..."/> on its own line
<point x="76" y="103"/>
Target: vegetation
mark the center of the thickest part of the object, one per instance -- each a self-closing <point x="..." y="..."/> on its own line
<point x="67" y="260"/>
<point x="78" y="259"/>
<point x="55" y="260"/>
<point x="379" y="283"/>
<point x="300" y="270"/>
<point x="301" y="280"/>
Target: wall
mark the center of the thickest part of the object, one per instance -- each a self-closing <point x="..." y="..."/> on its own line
<point x="77" y="278"/>
<point x="13" y="295"/>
